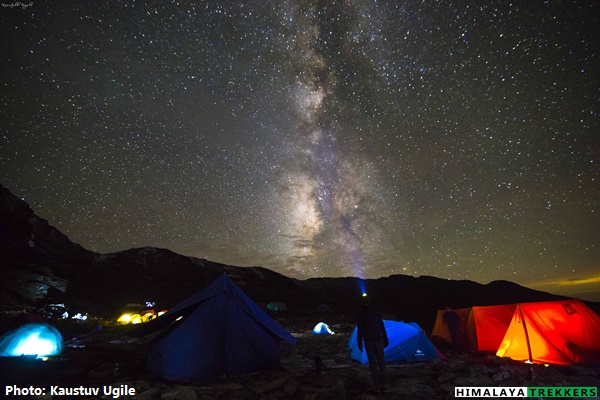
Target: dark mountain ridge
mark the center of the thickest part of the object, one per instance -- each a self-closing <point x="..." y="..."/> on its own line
<point x="42" y="265"/>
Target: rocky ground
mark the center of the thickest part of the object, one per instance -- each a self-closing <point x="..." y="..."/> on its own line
<point x="109" y="358"/>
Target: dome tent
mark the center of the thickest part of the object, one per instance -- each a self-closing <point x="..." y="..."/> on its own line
<point x="34" y="339"/>
<point x="276" y="306"/>
<point x="407" y="341"/>
<point x="322" y="329"/>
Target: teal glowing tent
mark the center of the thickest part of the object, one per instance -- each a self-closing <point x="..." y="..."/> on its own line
<point x="322" y="329"/>
<point x="407" y="341"/>
<point x="276" y="306"/>
<point x="219" y="331"/>
<point x="34" y="339"/>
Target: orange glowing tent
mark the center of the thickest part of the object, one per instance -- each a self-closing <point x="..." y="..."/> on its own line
<point x="558" y="332"/>
<point x="450" y="328"/>
<point x="479" y="328"/>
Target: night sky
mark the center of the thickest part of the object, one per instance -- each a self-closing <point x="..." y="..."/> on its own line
<point x="454" y="139"/>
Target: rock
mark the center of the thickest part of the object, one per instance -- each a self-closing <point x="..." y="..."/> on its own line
<point x="502" y="375"/>
<point x="479" y="380"/>
<point x="148" y="394"/>
<point x="277" y="383"/>
<point x="228" y="386"/>
<point x="181" y="393"/>
<point x="290" y="387"/>
<point x="417" y="387"/>
<point x="448" y="387"/>
<point x="103" y="375"/>
<point x="480" y="369"/>
<point x="446" y="376"/>
<point x="333" y="392"/>
<point x="423" y="391"/>
<point x="365" y="396"/>
<point x="207" y="391"/>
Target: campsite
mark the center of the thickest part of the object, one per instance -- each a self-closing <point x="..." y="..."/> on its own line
<point x="152" y="360"/>
<point x="226" y="332"/>
<point x="110" y="357"/>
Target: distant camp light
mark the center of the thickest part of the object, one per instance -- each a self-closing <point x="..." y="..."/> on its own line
<point x="80" y="317"/>
<point x="136" y="319"/>
<point x="322" y="329"/>
<point x="35" y="339"/>
<point x="124" y="319"/>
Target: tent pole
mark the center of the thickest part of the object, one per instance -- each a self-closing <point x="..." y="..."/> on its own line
<point x="526" y="334"/>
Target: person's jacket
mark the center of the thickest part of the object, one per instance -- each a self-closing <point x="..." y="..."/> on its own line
<point x="370" y="325"/>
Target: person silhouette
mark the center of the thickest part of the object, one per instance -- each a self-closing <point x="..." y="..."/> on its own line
<point x="371" y="331"/>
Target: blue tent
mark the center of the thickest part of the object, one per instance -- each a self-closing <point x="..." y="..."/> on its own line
<point x="34" y="339"/>
<point x="221" y="332"/>
<point x="407" y="342"/>
<point x="323" y="308"/>
<point x="322" y="329"/>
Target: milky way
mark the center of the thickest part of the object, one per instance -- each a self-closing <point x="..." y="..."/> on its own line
<point x="315" y="138"/>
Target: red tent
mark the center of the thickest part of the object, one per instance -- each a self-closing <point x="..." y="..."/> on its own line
<point x="557" y="332"/>
<point x="490" y="324"/>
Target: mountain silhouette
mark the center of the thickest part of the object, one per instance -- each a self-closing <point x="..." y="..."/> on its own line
<point x="41" y="265"/>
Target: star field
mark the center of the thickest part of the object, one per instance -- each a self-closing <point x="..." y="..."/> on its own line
<point x="315" y="138"/>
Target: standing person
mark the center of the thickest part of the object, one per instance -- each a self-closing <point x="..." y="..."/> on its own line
<point x="457" y="332"/>
<point x="372" y="331"/>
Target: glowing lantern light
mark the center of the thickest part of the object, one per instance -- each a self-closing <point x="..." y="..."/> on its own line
<point x="34" y="339"/>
